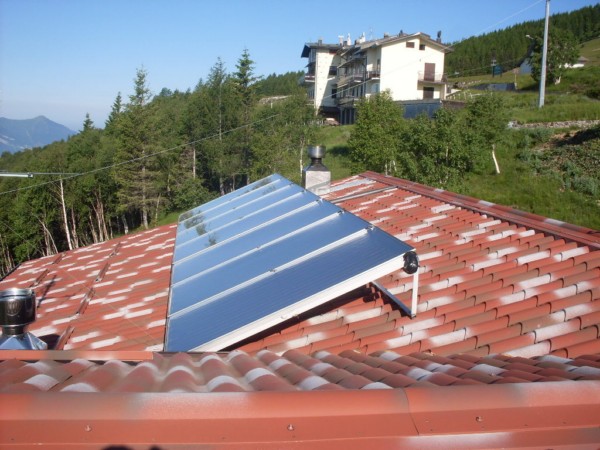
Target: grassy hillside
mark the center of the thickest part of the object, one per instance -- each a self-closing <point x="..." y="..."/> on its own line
<point x="576" y="97"/>
<point x="591" y="51"/>
<point x="548" y="172"/>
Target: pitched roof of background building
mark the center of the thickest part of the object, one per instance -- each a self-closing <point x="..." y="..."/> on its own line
<point x="508" y="316"/>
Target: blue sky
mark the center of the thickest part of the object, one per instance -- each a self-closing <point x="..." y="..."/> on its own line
<point x="66" y="58"/>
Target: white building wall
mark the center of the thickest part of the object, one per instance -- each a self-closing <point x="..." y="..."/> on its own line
<point x="401" y="67"/>
<point x="323" y="82"/>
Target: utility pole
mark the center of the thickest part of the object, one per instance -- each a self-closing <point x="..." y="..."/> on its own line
<point x="544" y="56"/>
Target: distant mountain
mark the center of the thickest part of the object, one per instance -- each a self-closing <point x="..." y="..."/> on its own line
<point x="16" y="135"/>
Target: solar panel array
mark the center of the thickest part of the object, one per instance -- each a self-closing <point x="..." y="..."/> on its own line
<point x="267" y="252"/>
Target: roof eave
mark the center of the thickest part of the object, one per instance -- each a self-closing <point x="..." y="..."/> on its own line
<point x="510" y="415"/>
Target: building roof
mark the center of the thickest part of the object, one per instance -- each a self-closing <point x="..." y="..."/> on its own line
<point x="362" y="44"/>
<point x="503" y="351"/>
<point x="402" y="37"/>
<point x="317" y="46"/>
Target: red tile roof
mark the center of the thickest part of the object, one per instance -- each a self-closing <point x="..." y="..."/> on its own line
<point x="238" y="371"/>
<point x="486" y="285"/>
<point x="111" y="295"/>
<point x="506" y="298"/>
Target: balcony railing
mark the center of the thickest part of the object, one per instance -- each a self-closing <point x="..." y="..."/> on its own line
<point x="346" y="100"/>
<point x="354" y="78"/>
<point x="373" y="74"/>
<point x="431" y="77"/>
<point x="307" y="78"/>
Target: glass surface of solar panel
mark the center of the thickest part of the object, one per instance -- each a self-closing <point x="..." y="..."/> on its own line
<point x="211" y="221"/>
<point x="237" y="226"/>
<point x="281" y="294"/>
<point x="229" y="199"/>
<point x="238" y="240"/>
<point x="269" y="256"/>
<point x="267" y="253"/>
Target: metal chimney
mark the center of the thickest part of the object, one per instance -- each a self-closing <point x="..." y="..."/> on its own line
<point x="17" y="310"/>
<point x="316" y="177"/>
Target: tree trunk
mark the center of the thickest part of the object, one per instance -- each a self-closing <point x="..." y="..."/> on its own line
<point x="74" y="232"/>
<point x="48" y="240"/>
<point x="144" y="202"/>
<point x="99" y="208"/>
<point x="125" y="226"/>
<point x="95" y="234"/>
<point x="7" y="261"/>
<point x="156" y="211"/>
<point x="194" y="161"/>
<point x="64" y="213"/>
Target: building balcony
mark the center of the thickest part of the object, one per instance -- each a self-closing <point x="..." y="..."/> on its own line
<point x="432" y="77"/>
<point x="352" y="60"/>
<point x="355" y="78"/>
<point x="373" y="74"/>
<point x="348" y="100"/>
<point x="307" y="78"/>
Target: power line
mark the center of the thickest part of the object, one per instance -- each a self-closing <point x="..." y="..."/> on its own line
<point x="139" y="158"/>
<point x="509" y="17"/>
<point x="31" y="174"/>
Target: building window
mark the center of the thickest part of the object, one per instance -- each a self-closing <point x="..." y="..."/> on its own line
<point x="375" y="88"/>
<point x="428" y="92"/>
<point x="410" y="45"/>
<point x="334" y="93"/>
<point x="421" y="46"/>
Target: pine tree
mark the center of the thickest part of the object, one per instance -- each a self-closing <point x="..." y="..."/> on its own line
<point x="136" y="141"/>
<point x="245" y="83"/>
<point x="115" y="113"/>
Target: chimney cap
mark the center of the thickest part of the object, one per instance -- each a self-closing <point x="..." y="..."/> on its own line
<point x="17" y="309"/>
<point x="316" y="151"/>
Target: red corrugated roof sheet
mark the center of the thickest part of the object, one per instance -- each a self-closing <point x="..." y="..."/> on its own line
<point x="505" y="298"/>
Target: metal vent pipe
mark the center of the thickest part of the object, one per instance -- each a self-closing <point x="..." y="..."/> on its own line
<point x="17" y="310"/>
<point x="316" y="177"/>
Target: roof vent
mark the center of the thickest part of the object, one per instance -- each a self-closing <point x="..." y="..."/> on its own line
<point x="17" y="310"/>
<point x="316" y="177"/>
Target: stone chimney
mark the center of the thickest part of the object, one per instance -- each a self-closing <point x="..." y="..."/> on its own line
<point x="316" y="177"/>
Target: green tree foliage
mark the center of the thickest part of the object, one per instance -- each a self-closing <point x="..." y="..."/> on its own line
<point x="436" y="151"/>
<point x="375" y="141"/>
<point x="245" y="82"/>
<point x="212" y="116"/>
<point x="245" y="85"/>
<point x="135" y="173"/>
<point x="486" y="119"/>
<point x="280" y="135"/>
<point x="275" y="85"/>
<point x="562" y="53"/>
<point x="115" y="113"/>
<point x="509" y="47"/>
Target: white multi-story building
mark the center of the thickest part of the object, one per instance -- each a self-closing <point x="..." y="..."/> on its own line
<point x="409" y="66"/>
